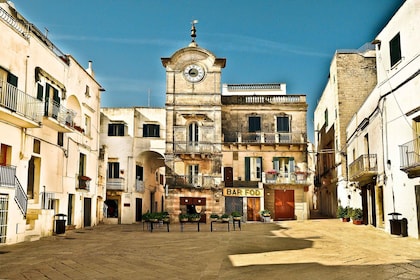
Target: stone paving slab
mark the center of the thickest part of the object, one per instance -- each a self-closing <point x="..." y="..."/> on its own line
<point x="313" y="249"/>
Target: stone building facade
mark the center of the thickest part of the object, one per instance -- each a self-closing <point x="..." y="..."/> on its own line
<point x="49" y="142"/>
<point x="265" y="151"/>
<point x="351" y="78"/>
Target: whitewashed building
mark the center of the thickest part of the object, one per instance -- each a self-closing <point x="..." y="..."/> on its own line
<point x="49" y="139"/>
<point x="383" y="136"/>
<point x="133" y="140"/>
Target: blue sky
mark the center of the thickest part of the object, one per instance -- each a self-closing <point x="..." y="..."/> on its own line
<point x="266" y="41"/>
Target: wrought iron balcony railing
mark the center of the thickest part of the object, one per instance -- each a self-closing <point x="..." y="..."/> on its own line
<point x="363" y="168"/>
<point x="20" y="103"/>
<point x="410" y="158"/>
<point x="286" y="178"/>
<point x="265" y="137"/>
<point x="7" y="175"/>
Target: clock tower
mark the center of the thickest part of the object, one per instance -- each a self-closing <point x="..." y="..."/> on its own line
<point x="193" y="153"/>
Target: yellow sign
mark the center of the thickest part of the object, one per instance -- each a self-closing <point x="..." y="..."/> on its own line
<point x="243" y="192"/>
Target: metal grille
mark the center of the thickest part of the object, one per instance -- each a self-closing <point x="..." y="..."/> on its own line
<point x="4" y="207"/>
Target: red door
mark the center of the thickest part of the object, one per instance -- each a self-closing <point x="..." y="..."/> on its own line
<point x="284" y="205"/>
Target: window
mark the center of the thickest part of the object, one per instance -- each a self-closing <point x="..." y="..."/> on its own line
<point x="87" y="125"/>
<point x="254" y="124"/>
<point x="395" y="50"/>
<point x="326" y="117"/>
<point x="283" y="127"/>
<point x="151" y="130"/>
<point x="253" y="168"/>
<point x="51" y="97"/>
<point x="284" y="165"/>
<point x="60" y="139"/>
<point x="4" y="208"/>
<point x="37" y="146"/>
<point x="283" y="124"/>
<point x="193" y="132"/>
<point x="113" y="170"/>
<point x="82" y="164"/>
<point x="193" y="174"/>
<point x="116" y="129"/>
<point x="87" y="91"/>
<point x="139" y="172"/>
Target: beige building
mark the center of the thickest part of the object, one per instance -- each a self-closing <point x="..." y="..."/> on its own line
<point x="133" y="140"/>
<point x="351" y="78"/>
<point x="49" y="144"/>
<point x="265" y="155"/>
<point x="383" y="134"/>
<point x="241" y="148"/>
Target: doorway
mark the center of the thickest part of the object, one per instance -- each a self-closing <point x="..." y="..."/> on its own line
<point x="139" y="209"/>
<point x="87" y="210"/>
<point x="253" y="208"/>
<point x="284" y="205"/>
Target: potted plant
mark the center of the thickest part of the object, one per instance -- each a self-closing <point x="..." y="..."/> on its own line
<point x="165" y="216"/>
<point x="225" y="217"/>
<point x="154" y="217"/>
<point x="195" y="217"/>
<point x="343" y="213"/>
<point x="265" y="215"/>
<point x="236" y="215"/>
<point x="356" y="215"/>
<point x="214" y="216"/>
<point x="146" y="216"/>
<point x="183" y="217"/>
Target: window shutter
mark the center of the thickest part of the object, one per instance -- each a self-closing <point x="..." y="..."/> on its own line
<point x="247" y="169"/>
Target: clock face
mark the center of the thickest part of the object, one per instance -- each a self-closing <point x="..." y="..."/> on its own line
<point x="194" y="73"/>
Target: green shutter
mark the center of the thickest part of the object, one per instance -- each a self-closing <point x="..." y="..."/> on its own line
<point x="247" y="167"/>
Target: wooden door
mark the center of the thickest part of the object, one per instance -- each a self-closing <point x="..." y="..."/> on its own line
<point x="87" y="212"/>
<point x="284" y="205"/>
<point x="253" y="209"/>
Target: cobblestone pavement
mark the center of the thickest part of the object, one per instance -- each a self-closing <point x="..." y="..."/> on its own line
<point x="313" y="249"/>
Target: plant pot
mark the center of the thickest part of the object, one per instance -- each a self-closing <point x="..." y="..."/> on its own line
<point x="225" y="219"/>
<point x="357" y="222"/>
<point x="237" y="218"/>
<point x="345" y="220"/>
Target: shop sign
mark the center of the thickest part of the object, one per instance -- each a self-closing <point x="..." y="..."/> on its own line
<point x="243" y="192"/>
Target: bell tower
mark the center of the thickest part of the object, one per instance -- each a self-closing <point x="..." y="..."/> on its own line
<point x="193" y="125"/>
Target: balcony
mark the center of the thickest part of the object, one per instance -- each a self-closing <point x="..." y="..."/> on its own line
<point x="262" y="99"/>
<point x="58" y="117"/>
<point x="7" y="175"/>
<point x="265" y="137"/>
<point x="197" y="148"/>
<point x="410" y="158"/>
<point x="363" y="169"/>
<point x="115" y="184"/>
<point x="298" y="177"/>
<point x="84" y="182"/>
<point x="19" y="108"/>
<point x="193" y="181"/>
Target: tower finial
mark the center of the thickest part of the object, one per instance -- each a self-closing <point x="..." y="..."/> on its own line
<point x="193" y="31"/>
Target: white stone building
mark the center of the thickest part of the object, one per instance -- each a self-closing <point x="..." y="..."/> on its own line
<point x="385" y="130"/>
<point x="49" y="139"/>
<point x="133" y="163"/>
<point x="351" y="78"/>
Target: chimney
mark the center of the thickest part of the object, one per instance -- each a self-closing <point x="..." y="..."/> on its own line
<point x="90" y="70"/>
